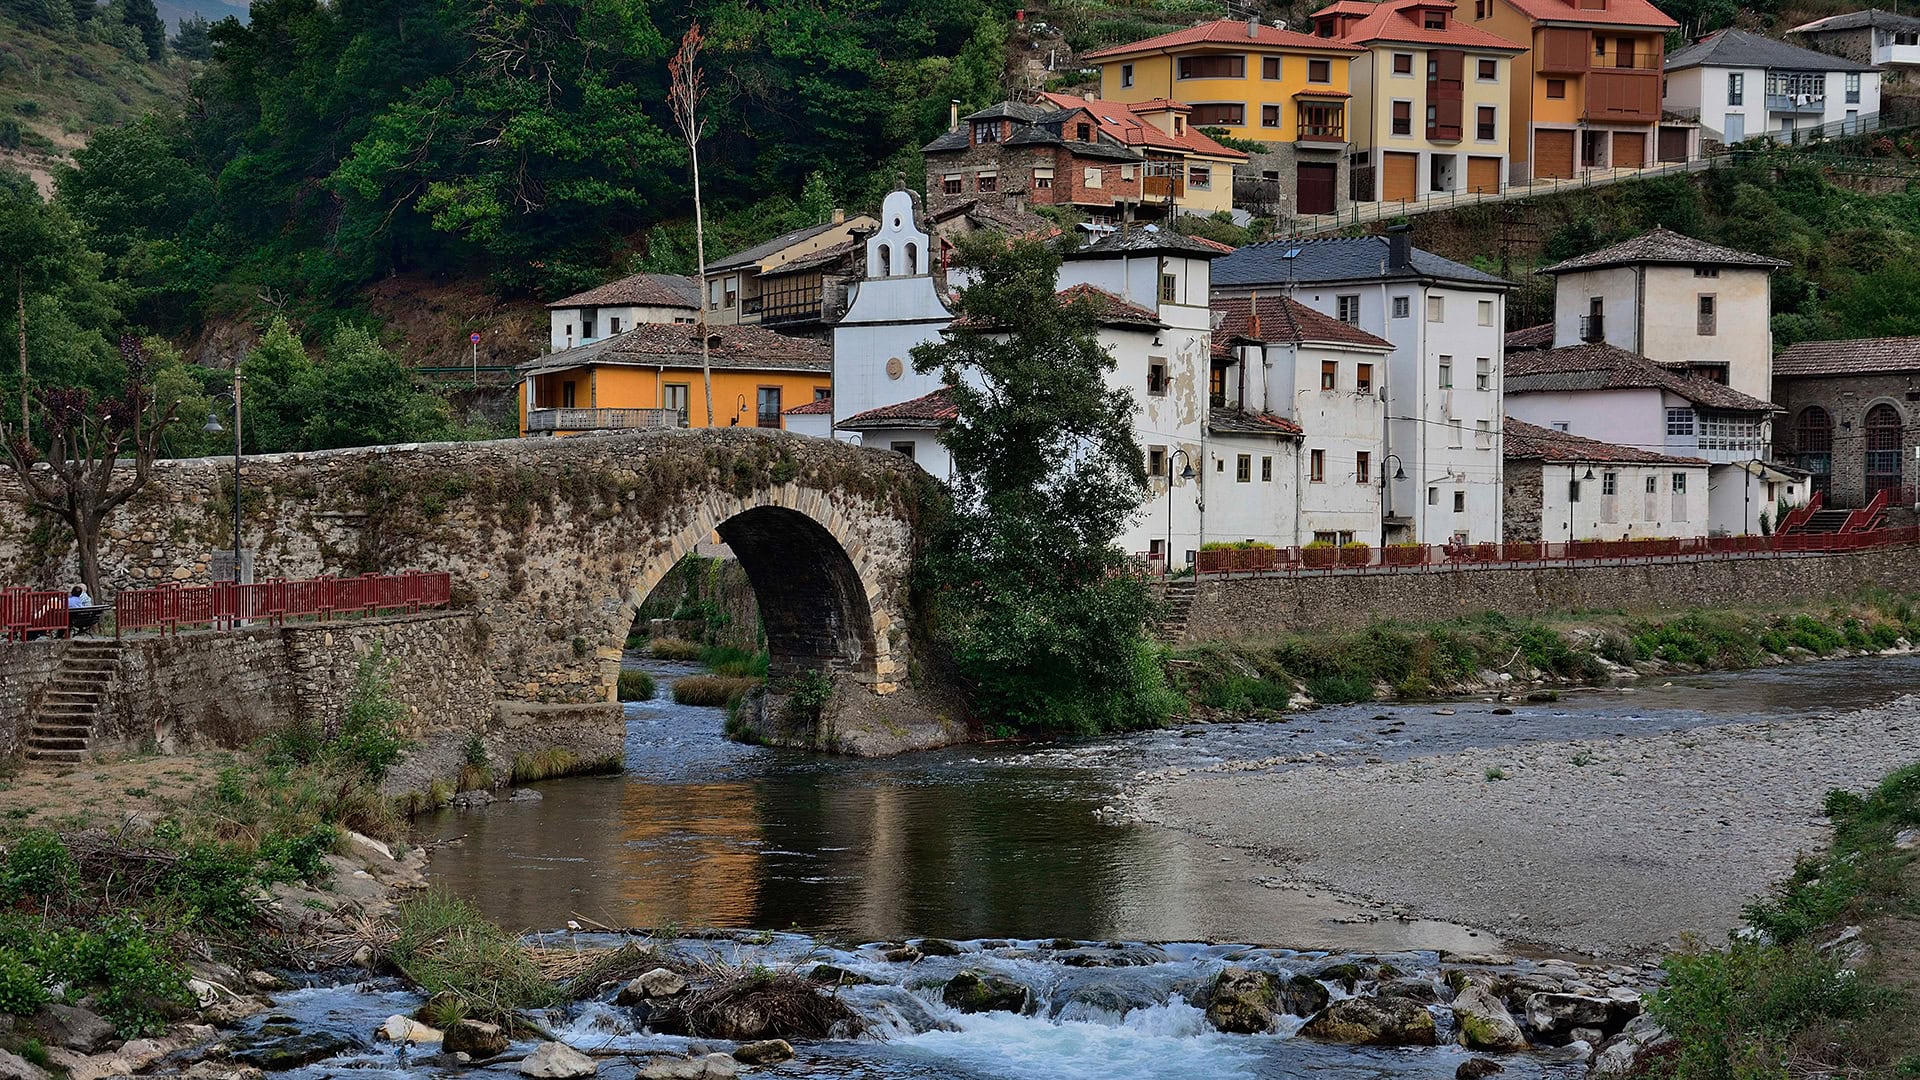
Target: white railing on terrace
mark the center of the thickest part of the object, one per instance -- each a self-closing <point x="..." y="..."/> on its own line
<point x="602" y="419"/>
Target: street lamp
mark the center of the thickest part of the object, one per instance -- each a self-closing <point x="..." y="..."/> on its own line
<point x="1386" y="494"/>
<point x="213" y="427"/>
<point x="1186" y="473"/>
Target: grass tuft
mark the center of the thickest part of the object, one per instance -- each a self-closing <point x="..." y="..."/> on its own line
<point x="445" y="946"/>
<point x="673" y="649"/>
<point x="712" y="689"/>
<point x="636" y="686"/>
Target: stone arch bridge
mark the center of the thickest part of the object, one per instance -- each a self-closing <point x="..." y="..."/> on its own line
<point x="552" y="544"/>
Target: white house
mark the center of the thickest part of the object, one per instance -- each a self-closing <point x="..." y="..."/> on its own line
<point x="1561" y="487"/>
<point x="1446" y="323"/>
<point x="1885" y="39"/>
<point x="1674" y="300"/>
<point x="607" y="310"/>
<point x="1743" y="85"/>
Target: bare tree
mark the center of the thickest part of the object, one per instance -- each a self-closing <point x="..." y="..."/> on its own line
<point x="75" y="478"/>
<point x="687" y="88"/>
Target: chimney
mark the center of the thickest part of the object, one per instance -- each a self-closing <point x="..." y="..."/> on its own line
<point x="839" y="216"/>
<point x="1253" y="26"/>
<point x="1399" y="246"/>
<point x="953" y="114"/>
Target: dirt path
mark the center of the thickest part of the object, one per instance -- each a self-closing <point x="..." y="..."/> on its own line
<point x="105" y="793"/>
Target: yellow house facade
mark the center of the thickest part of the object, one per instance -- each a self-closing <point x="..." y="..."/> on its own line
<point x="650" y="378"/>
<point x="1280" y="87"/>
<point x="1431" y="98"/>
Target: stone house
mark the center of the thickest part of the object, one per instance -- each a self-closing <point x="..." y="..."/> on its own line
<point x="1187" y="169"/>
<point x="608" y="309"/>
<point x="1559" y="487"/>
<point x="796" y="282"/>
<point x="1743" y="86"/>
<point x="1889" y="41"/>
<point x="1851" y="413"/>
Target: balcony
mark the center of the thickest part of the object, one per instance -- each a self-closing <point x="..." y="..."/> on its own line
<point x="1797" y="104"/>
<point x="1593" y="328"/>
<point x="550" y="421"/>
<point x="1617" y="95"/>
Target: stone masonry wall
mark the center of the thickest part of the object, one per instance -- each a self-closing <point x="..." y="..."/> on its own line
<point x="1848" y="399"/>
<point x="1521" y="498"/>
<point x="1263" y="607"/>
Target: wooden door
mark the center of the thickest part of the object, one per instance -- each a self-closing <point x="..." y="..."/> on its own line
<point x="1673" y="144"/>
<point x="1483" y="174"/>
<point x="1316" y="186"/>
<point x="1552" y="154"/>
<point x="1629" y="149"/>
<point x="1400" y="176"/>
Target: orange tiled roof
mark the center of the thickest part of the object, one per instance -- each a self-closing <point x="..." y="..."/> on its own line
<point x="1122" y="123"/>
<point x="1616" y="13"/>
<point x="816" y="407"/>
<point x="1228" y="32"/>
<point x="1398" y="20"/>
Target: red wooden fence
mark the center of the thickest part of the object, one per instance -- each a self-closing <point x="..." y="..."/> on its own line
<point x="171" y="607"/>
<point x="25" y="612"/>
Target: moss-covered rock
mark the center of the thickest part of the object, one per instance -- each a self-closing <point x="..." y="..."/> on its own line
<point x="1242" y="1002"/>
<point x="1371" y="1021"/>
<point x="972" y="992"/>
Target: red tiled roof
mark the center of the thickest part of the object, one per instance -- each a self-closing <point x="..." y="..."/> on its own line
<point x="1215" y="244"/>
<point x="1600" y="366"/>
<point x="1858" y="357"/>
<point x="1242" y="422"/>
<point x="1113" y="310"/>
<point x="1228" y="32"/>
<point x="1533" y="337"/>
<point x="650" y="290"/>
<point x="1663" y="245"/>
<point x="1122" y="123"/>
<point x="744" y="347"/>
<point x="1397" y="20"/>
<point x="1524" y="440"/>
<point x="816" y="407"/>
<point x="930" y="410"/>
<point x="1284" y="319"/>
<point x="1616" y="13"/>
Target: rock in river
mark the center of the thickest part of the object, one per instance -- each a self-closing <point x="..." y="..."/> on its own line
<point x="1370" y="1021"/>
<point x="764" y="1052"/>
<point x="276" y="1047"/>
<point x="710" y="1067"/>
<point x="1554" y="1016"/>
<point x="1477" y="1069"/>
<point x="1241" y="1002"/>
<point x="475" y="1037"/>
<point x="557" y="1061"/>
<point x="76" y="1029"/>
<point x="971" y="992"/>
<point x="658" y="983"/>
<point x="1484" y="1022"/>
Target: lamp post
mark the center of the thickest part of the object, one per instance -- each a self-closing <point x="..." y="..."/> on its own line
<point x="1186" y="473"/>
<point x="1386" y="497"/>
<point x="213" y="427"/>
<point x="1573" y="494"/>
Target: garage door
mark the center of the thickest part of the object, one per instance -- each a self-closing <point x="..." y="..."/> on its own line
<point x="1673" y="144"/>
<point x="1553" y="154"/>
<point x="1629" y="149"/>
<point x="1399" y="176"/>
<point x="1317" y="184"/>
<point x="1483" y="174"/>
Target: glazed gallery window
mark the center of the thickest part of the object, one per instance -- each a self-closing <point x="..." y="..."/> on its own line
<point x="1232" y="66"/>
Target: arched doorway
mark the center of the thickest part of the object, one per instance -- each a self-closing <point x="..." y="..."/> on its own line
<point x="1813" y="445"/>
<point x="1882" y="466"/>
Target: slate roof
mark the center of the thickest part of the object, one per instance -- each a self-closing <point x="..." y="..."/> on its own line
<point x="1527" y="442"/>
<point x="929" y="411"/>
<point x="1122" y="122"/>
<point x="1114" y="311"/>
<point x="649" y="290"/>
<point x="1225" y="32"/>
<point x="1039" y="125"/>
<point x="1147" y="239"/>
<point x="1242" y="422"/>
<point x="1398" y="20"/>
<point x="1857" y="20"/>
<point x="1533" y="337"/>
<point x="1336" y="259"/>
<point x="1285" y="319"/>
<point x="1663" y="246"/>
<point x="816" y="407"/>
<point x="1738" y="48"/>
<point x="1616" y="13"/>
<point x="774" y="246"/>
<point x="993" y="214"/>
<point x="745" y="348"/>
<point x="826" y="256"/>
<point x="1862" y="356"/>
<point x="1599" y="366"/>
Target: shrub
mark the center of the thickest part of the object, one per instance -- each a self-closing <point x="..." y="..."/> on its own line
<point x="711" y="689"/>
<point x="369" y="731"/>
<point x="1339" y="689"/>
<point x="297" y="856"/>
<point x="214" y="883"/>
<point x="1735" y="1011"/>
<point x="38" y="865"/>
<point x="1241" y="693"/>
<point x="636" y="686"/>
<point x="732" y="663"/>
<point x="21" y="993"/>
<point x="140" y="984"/>
<point x="673" y="649"/>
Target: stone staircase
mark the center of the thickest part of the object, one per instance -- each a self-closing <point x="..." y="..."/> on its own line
<point x="1179" y="600"/>
<point x="1826" y="521"/>
<point x="62" y="732"/>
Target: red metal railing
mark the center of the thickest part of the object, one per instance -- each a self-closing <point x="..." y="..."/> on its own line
<point x="25" y="612"/>
<point x="1862" y="519"/>
<point x="1424" y="557"/>
<point x="1800" y="515"/>
<point x="221" y="605"/>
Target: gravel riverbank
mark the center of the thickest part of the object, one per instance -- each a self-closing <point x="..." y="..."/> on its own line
<point x="1617" y="847"/>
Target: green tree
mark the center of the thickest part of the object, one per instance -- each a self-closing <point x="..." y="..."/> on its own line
<point x="194" y="39"/>
<point x="56" y="312"/>
<point x="47" y="15"/>
<point x="1042" y="622"/>
<point x="144" y="17"/>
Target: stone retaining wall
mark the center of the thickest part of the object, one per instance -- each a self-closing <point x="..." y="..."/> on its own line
<point x="1266" y="606"/>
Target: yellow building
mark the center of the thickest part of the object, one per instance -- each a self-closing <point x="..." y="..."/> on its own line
<point x="649" y="377"/>
<point x="1586" y="93"/>
<point x="1280" y="87"/>
<point x="1431" y="98"/>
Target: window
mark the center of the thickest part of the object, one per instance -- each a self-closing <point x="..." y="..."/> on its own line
<point x="1217" y="385"/>
<point x="613" y="325"/>
<point x="1042" y="179"/>
<point x="1083" y="132"/>
<point x="1883" y="449"/>
<point x="1812" y="85"/>
<point x="1813" y="444"/>
<point x="1157" y="377"/>
<point x="1317" y="467"/>
<point x="1679" y="483"/>
<point x="904" y="449"/>
<point x="713" y="300"/>
<point x="1706" y="271"/>
<point x="1483" y="373"/>
<point x="1126" y="74"/>
<point x="987" y="183"/>
<point x="1487" y="70"/>
<point x="1266" y="470"/>
<point x="1402" y="63"/>
<point x="822" y="393"/>
<point x="1556" y="89"/>
<point x="567" y="391"/>
<point x="1323" y="121"/>
<point x="1653" y="485"/>
<point x="1483" y="124"/>
<point x="1096" y="177"/>
<point x="1347" y="309"/>
<point x="1485" y="308"/>
<point x="1402" y="307"/>
<point x="1708" y="319"/>
<point x="731" y="292"/>
<point x="1362" y="467"/>
<point x="1270" y="67"/>
<point x="951" y="184"/>
<point x="1853" y="88"/>
<point x="674" y="396"/>
<point x="1433" y="20"/>
<point x="1459" y="502"/>
<point x="1219" y="66"/>
<point x="1156" y="461"/>
<point x="1220" y="114"/>
<point x="1363" y="379"/>
<point x="570" y="325"/>
<point x="986" y="131"/>
<point x="1599" y="45"/>
<point x="1200" y="176"/>
<point x="1436" y="309"/>
<point x="1403" y="118"/>
<point x="1243" y="469"/>
<point x="1319" y="71"/>
<point x="1168" y="285"/>
<point x="1270" y="116"/>
<point x="768" y="413"/>
<point x="1610" y="483"/>
<point x="1126" y="172"/>
<point x="1722" y="431"/>
<point x="1563" y="425"/>
<point x="1446" y="372"/>
<point x="1456" y="433"/>
<point x="1329" y="374"/>
<point x="1736" y="88"/>
<point x="1680" y="423"/>
<point x="1433" y="496"/>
